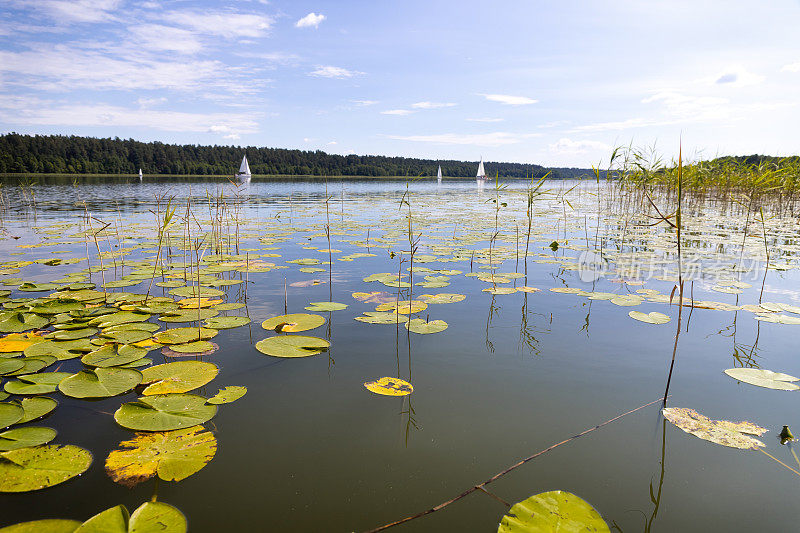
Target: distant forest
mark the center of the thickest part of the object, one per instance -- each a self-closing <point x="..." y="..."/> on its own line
<point x="60" y="154"/>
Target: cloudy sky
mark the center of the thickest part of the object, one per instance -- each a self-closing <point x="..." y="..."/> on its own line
<point x="552" y="82"/>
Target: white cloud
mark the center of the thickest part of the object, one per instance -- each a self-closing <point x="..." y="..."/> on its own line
<point x="61" y="66"/>
<point x="400" y="112"/>
<point x="331" y="143"/>
<point x="109" y="115"/>
<point x="148" y="102"/>
<point x="733" y="76"/>
<point x="487" y="119"/>
<point x="329" y="71"/>
<point x="568" y="146"/>
<point x="498" y="138"/>
<point x="364" y="103"/>
<point x="686" y="106"/>
<point x="165" y="38"/>
<point x="233" y="136"/>
<point x="86" y="11"/>
<point x="220" y="23"/>
<point x="431" y="105"/>
<point x="791" y="67"/>
<point x="312" y="20"/>
<point x="509" y="99"/>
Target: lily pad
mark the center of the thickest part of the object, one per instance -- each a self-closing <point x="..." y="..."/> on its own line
<point x="61" y="350"/>
<point x="375" y="317"/>
<point x="14" y="322"/>
<point x="184" y="335"/>
<point x="194" y="292"/>
<point x="36" y="408"/>
<point x="172" y="455"/>
<point x="321" y="307"/>
<point x="48" y="525"/>
<point x="389" y="387"/>
<point x="10" y="413"/>
<point x="732" y="434"/>
<point x="228" y="394"/>
<point x="10" y="365"/>
<point x="552" y="511"/>
<point x="189" y="315"/>
<point x="405" y="307"/>
<point x="14" y="439"/>
<point x="651" y="318"/>
<point x="293" y="322"/>
<point x="227" y="322"/>
<point x="147" y="518"/>
<point x="292" y="346"/>
<point x="40" y="467"/>
<point x="43" y="383"/>
<point x="441" y="298"/>
<point x="165" y="412"/>
<point x="113" y="355"/>
<point x="193" y="348"/>
<point x="177" y="377"/>
<point x="418" y="325"/>
<point x="17" y="342"/>
<point x="763" y="378"/>
<point x="100" y="382"/>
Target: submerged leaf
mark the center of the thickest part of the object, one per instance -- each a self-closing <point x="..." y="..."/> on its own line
<point x="552" y="511"/>
<point x="733" y="434"/>
<point x="173" y="455"/>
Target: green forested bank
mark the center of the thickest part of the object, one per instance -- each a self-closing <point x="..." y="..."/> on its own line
<point x="88" y="155"/>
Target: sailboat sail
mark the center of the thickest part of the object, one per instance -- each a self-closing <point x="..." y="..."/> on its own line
<point x="439" y="173"/>
<point x="140" y="173"/>
<point x="244" y="168"/>
<point x="481" y="172"/>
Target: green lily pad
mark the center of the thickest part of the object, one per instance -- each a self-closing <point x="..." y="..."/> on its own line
<point x="48" y="525"/>
<point x="172" y="455"/>
<point x="72" y="334"/>
<point x="157" y="516"/>
<point x="194" y="292"/>
<point x="10" y="413"/>
<point x="293" y="322"/>
<point x="43" y="383"/>
<point x="228" y="394"/>
<point x="100" y="382"/>
<point x="14" y="322"/>
<point x="441" y="298"/>
<point x="61" y="350"/>
<point x="120" y="317"/>
<point x="113" y="355"/>
<point x="10" y="365"/>
<point x="13" y="439"/>
<point x="418" y="325"/>
<point x="292" y="346"/>
<point x="31" y="365"/>
<point x="321" y="307"/>
<point x="196" y="348"/>
<point x="165" y="412"/>
<point x="227" y="322"/>
<point x="552" y="511"/>
<point x="189" y="315"/>
<point x="763" y="378"/>
<point x="177" y="377"/>
<point x="228" y="306"/>
<point x="36" y="468"/>
<point x="376" y="317"/>
<point x="126" y="336"/>
<point x="37" y="287"/>
<point x="184" y="335"/>
<point x="36" y="407"/>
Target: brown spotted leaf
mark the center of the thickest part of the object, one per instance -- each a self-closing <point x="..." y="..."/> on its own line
<point x="724" y="432"/>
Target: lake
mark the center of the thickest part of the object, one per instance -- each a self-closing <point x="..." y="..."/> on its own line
<point x="309" y="448"/>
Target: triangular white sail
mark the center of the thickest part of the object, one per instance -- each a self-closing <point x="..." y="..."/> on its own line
<point x="481" y="173"/>
<point x="140" y="173"/>
<point x="439" y="173"/>
<point x="244" y="168"/>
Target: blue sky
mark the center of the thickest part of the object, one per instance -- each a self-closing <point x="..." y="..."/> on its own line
<point x="558" y="83"/>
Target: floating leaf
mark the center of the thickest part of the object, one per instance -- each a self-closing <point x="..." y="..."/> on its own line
<point x="10" y="413"/>
<point x="418" y="325"/>
<point x="650" y="318"/>
<point x="177" y="377"/>
<point x="293" y="322"/>
<point x="227" y="322"/>
<point x="165" y="412"/>
<point x="378" y="297"/>
<point x="157" y="516"/>
<point x="14" y="439"/>
<point x="36" y="468"/>
<point x="194" y="348"/>
<point x="61" y="350"/>
<point x="193" y="292"/>
<point x="184" y="335"/>
<point x="326" y="306"/>
<point x="228" y="394"/>
<point x="382" y="318"/>
<point x="100" y="382"/>
<point x="441" y="298"/>
<point x="173" y="455"/>
<point x="292" y="346"/>
<point x="189" y="315"/>
<point x="13" y="322"/>
<point x="733" y="434"/>
<point x="500" y="290"/>
<point x="763" y="378"/>
<point x="126" y="336"/>
<point x="48" y="525"/>
<point x="405" y="307"/>
<point x="389" y="387"/>
<point x="552" y="511"/>
<point x="43" y="383"/>
<point x="17" y="342"/>
<point x="113" y="355"/>
<point x="36" y="408"/>
<point x="10" y="365"/>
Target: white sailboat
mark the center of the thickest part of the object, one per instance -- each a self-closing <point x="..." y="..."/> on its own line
<point x="439" y="174"/>
<point x="244" y="174"/>
<point x="140" y="174"/>
<point x="481" y="175"/>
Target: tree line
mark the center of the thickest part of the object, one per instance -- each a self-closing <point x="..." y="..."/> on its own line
<point x="62" y="154"/>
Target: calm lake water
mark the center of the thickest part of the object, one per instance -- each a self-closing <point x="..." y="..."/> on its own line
<point x="308" y="448"/>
